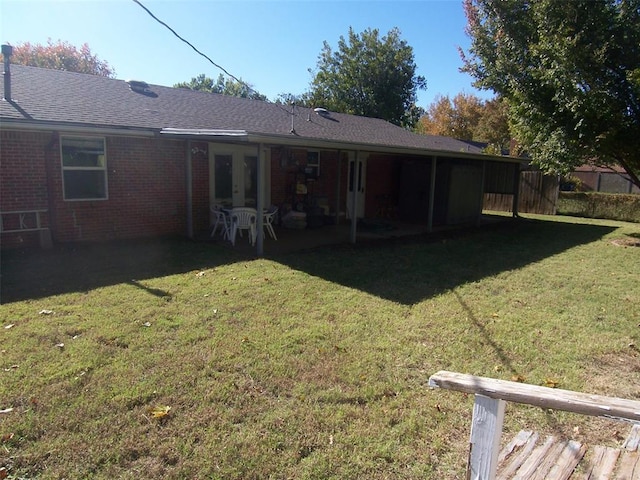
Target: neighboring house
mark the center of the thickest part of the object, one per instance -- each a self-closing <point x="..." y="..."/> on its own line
<point x="88" y="158"/>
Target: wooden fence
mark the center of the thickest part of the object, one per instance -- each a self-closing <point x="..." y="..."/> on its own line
<point x="538" y="194"/>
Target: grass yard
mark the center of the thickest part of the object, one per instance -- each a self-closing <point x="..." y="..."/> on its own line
<point x="182" y="360"/>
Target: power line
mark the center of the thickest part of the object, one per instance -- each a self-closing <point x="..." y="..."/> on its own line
<point x="247" y="86"/>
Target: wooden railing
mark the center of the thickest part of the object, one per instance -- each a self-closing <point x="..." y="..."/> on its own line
<point x="491" y="396"/>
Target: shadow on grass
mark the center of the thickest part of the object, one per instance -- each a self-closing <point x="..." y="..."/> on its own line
<point x="410" y="270"/>
<point x="41" y="273"/>
<point x="404" y="270"/>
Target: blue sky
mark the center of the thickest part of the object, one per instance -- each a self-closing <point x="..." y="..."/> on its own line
<point x="269" y="44"/>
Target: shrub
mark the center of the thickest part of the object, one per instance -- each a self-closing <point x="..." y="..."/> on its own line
<point x="611" y="206"/>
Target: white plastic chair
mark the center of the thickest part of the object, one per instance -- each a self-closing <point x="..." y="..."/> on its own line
<point x="243" y="218"/>
<point x="221" y="220"/>
<point x="269" y="217"/>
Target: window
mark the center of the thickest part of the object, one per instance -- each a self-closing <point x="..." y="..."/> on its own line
<point x="313" y="164"/>
<point x="84" y="168"/>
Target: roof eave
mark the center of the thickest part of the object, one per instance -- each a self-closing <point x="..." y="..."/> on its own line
<point x="13" y="124"/>
<point x="296" y="141"/>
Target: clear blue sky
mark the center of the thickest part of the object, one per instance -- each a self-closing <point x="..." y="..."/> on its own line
<point x="269" y="44"/>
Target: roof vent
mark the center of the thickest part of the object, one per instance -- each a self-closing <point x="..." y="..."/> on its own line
<point x="323" y="112"/>
<point x="141" y="87"/>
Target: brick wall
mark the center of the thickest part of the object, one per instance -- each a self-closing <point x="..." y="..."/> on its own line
<point x="285" y="164"/>
<point x="23" y="181"/>
<point x="146" y="189"/>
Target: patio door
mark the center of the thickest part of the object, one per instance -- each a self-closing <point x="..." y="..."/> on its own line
<point x="356" y="180"/>
<point x="233" y="175"/>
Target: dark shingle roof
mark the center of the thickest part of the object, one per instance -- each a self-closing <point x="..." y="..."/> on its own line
<point x="53" y="96"/>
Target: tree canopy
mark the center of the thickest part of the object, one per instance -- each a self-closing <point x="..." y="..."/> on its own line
<point x="225" y="86"/>
<point x="61" y="56"/>
<point x="467" y="117"/>
<point x="369" y="75"/>
<point x="570" y="72"/>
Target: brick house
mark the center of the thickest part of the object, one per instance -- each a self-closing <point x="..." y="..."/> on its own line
<point x="89" y="158"/>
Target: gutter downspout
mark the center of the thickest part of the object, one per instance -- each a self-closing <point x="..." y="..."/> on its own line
<point x="189" y="189"/>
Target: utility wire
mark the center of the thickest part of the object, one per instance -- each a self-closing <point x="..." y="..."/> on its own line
<point x="202" y="54"/>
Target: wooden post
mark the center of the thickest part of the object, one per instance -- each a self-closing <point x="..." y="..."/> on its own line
<point x="486" y="430"/>
<point x="516" y="190"/>
<point x="432" y="193"/>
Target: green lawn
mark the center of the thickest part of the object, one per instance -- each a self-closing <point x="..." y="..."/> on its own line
<point x="311" y="365"/>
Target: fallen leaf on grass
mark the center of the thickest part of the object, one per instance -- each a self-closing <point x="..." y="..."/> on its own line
<point x="6" y="437"/>
<point x="551" y="382"/>
<point x="518" y="378"/>
<point x="159" y="412"/>
<point x="3" y="473"/>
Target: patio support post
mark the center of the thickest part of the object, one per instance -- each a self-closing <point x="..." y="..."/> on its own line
<point x="516" y="190"/>
<point x="189" y="188"/>
<point x="260" y="202"/>
<point x="432" y="194"/>
<point x="338" y="174"/>
<point x="484" y="176"/>
<point x="354" y="198"/>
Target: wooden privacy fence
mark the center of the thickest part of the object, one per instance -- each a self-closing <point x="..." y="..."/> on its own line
<point x="538" y="194"/>
<point x="553" y="460"/>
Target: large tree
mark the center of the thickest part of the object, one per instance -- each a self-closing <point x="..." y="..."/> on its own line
<point x="570" y="72"/>
<point x="225" y="86"/>
<point x="61" y="56"/>
<point x="369" y="75"/>
<point x="467" y="117"/>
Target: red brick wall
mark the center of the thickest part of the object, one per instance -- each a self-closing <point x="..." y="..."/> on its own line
<point x="147" y="197"/>
<point x="23" y="181"/>
<point x="146" y="188"/>
<point x="285" y="163"/>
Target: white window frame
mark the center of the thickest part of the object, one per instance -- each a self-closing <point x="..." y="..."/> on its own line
<point x="315" y="166"/>
<point x="102" y="168"/>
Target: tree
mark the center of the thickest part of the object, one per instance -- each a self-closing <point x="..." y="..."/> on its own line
<point x="61" y="56"/>
<point x="570" y="72"/>
<point x="224" y="86"/>
<point x="369" y="76"/>
<point x="493" y="126"/>
<point x="466" y="117"/>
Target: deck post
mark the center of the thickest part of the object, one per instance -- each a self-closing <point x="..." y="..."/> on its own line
<point x="486" y="430"/>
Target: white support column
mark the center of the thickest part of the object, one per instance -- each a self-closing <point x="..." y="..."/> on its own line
<point x="482" y="182"/>
<point x="260" y="202"/>
<point x="355" y="177"/>
<point x="189" y="189"/>
<point x="432" y="194"/>
<point x="486" y="430"/>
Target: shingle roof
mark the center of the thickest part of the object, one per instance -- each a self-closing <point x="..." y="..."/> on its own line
<point x="53" y="96"/>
